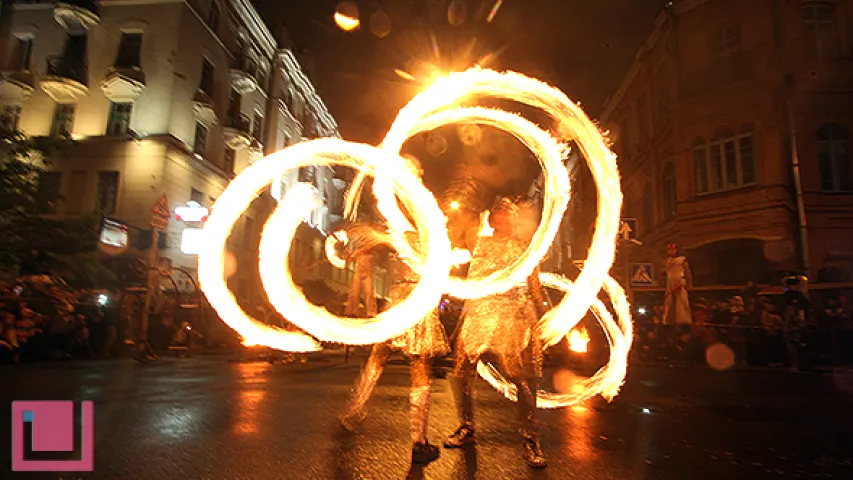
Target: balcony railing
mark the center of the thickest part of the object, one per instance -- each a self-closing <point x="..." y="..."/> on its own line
<point x="68" y="68"/>
<point x="239" y="122"/>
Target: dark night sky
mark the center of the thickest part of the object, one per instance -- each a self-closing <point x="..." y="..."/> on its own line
<point x="582" y="46"/>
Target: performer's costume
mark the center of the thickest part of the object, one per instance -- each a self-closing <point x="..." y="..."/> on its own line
<point x="676" y="306"/>
<point x="500" y="328"/>
<point x="425" y="340"/>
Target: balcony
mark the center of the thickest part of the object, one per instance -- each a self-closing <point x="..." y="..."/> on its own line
<point x="76" y="15"/>
<point x="65" y="80"/>
<point x="123" y="84"/>
<point x="203" y="108"/>
<point x="243" y="76"/>
<point x="236" y="131"/>
<point x="16" y="86"/>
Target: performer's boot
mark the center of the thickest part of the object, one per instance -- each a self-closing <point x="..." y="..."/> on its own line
<point x="464" y="435"/>
<point x="422" y="451"/>
<point x="367" y="381"/>
<point x="529" y="430"/>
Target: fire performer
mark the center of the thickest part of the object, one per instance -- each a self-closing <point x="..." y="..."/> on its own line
<point x="420" y="344"/>
<point x="502" y="327"/>
<point x="676" y="306"/>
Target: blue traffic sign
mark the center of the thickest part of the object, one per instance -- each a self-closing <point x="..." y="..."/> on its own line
<point x="642" y="274"/>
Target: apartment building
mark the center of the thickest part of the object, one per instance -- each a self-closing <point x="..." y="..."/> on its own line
<point x="732" y="128"/>
<point x="160" y="97"/>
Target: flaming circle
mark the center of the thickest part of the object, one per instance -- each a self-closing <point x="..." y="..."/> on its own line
<point x="396" y="181"/>
<point x="276" y="238"/>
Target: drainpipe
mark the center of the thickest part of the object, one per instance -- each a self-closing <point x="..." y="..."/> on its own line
<point x="798" y="189"/>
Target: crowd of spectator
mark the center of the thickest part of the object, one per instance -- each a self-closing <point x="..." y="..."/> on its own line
<point x="44" y="319"/>
<point x="785" y="330"/>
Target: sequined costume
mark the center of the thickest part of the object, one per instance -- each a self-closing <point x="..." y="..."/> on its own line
<point x="420" y="343"/>
<point x="501" y="328"/>
<point x="502" y="324"/>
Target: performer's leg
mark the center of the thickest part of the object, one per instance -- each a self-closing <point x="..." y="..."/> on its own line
<point x="419" y="396"/>
<point x="369" y="296"/>
<point x="365" y="385"/>
<point x="527" y="382"/>
<point x="461" y="385"/>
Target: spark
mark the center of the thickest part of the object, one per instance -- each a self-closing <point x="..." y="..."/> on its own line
<point x="404" y="74"/>
<point x="454" y="205"/>
<point x="494" y="11"/>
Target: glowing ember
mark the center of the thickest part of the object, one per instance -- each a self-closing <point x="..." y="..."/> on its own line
<point x="579" y="340"/>
<point x="404" y="74"/>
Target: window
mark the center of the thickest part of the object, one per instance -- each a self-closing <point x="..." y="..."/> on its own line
<point x="624" y="140"/>
<point x="23" y="54"/>
<point x="257" y="126"/>
<point x="206" y="84"/>
<point x="200" y="140"/>
<point x="196" y="196"/>
<point x="213" y="18"/>
<point x="648" y="208"/>
<point x="670" y="192"/>
<point x="819" y="29"/>
<point x="726" y="162"/>
<point x="643" y="115"/>
<point x="10" y="117"/>
<point x="129" y="50"/>
<point x="834" y="158"/>
<point x="726" y="43"/>
<point x="229" y="160"/>
<point x="107" y="192"/>
<point x="63" y="121"/>
<point x="47" y="194"/>
<point x="119" y="121"/>
<point x="234" y="104"/>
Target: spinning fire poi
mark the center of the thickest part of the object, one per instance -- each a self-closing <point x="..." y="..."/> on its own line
<point x="432" y="259"/>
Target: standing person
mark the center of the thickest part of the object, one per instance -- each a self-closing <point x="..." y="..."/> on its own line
<point x="502" y="327"/>
<point x="421" y="343"/>
<point x="676" y="305"/>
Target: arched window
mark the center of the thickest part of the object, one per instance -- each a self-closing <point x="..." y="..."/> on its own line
<point x="670" y="194"/>
<point x="648" y="208"/>
<point x="835" y="169"/>
<point x="819" y="29"/>
<point x="726" y="162"/>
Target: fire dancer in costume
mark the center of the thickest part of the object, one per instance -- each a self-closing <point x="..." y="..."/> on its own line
<point x="502" y="327"/>
<point x="421" y="343"/>
<point x="676" y="306"/>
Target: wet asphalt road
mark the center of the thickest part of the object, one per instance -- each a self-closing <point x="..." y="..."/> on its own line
<point x="217" y="417"/>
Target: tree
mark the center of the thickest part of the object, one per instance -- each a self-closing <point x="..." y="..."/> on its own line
<point x="35" y="243"/>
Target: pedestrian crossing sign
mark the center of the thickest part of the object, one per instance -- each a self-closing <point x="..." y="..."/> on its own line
<point x="642" y="275"/>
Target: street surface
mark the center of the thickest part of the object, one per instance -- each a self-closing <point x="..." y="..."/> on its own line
<point x="230" y="417"/>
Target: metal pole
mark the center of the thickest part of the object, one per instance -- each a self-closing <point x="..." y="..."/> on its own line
<point x="798" y="189"/>
<point x="153" y="276"/>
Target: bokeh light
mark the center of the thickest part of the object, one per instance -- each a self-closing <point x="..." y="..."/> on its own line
<point x="346" y="16"/>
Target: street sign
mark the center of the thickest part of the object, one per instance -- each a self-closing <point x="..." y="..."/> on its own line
<point x="628" y="229"/>
<point x="642" y="275"/>
<point x="161" y="208"/>
<point x="160" y="214"/>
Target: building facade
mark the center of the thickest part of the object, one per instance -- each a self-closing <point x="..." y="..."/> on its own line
<point x="732" y="129"/>
<point x="161" y="97"/>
